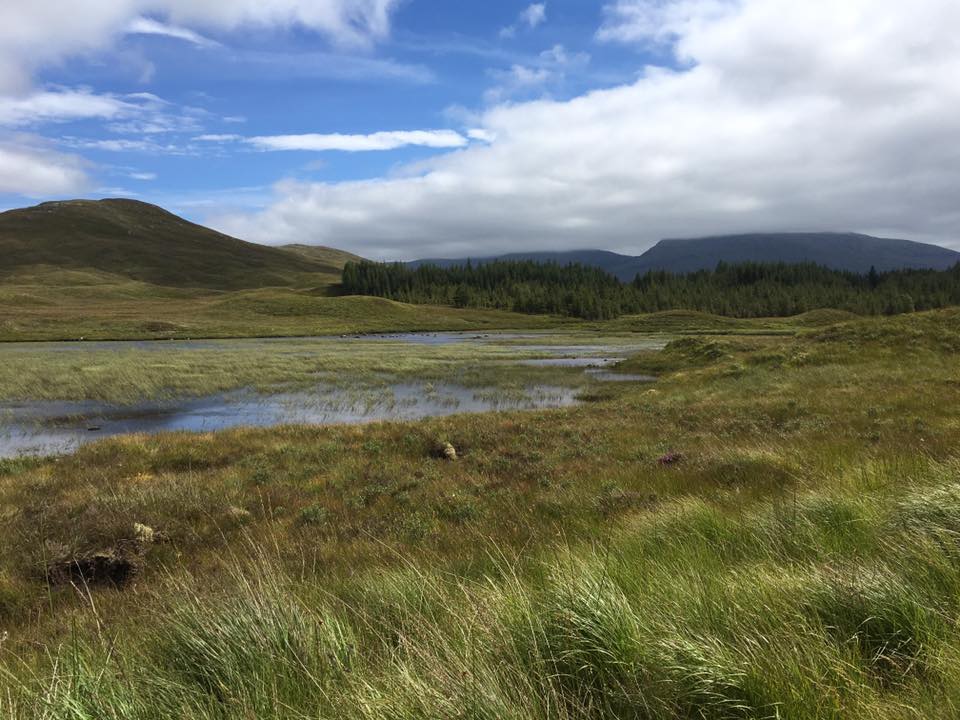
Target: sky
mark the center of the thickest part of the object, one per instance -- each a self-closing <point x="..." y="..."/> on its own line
<point x="399" y="129"/>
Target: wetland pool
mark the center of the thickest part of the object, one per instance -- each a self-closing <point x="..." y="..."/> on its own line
<point x="356" y="379"/>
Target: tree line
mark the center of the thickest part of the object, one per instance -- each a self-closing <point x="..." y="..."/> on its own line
<point x="736" y="290"/>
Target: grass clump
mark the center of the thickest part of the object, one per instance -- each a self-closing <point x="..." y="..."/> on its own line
<point x="254" y="652"/>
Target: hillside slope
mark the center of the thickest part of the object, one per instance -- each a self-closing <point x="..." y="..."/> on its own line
<point x="838" y="251"/>
<point x="142" y="242"/>
<point x="331" y="257"/>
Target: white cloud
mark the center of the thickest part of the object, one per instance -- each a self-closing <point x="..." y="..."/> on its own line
<point x="549" y="70"/>
<point x="360" y="143"/>
<point x="787" y="116"/>
<point x="145" y="176"/>
<point x="218" y="138"/>
<point x="125" y="145"/>
<point x="351" y="67"/>
<point x="532" y="17"/>
<point x="147" y="26"/>
<point x="60" y="106"/>
<point x="138" y="113"/>
<point x="481" y="135"/>
<point x="115" y="192"/>
<point x="28" y="168"/>
<point x="41" y="32"/>
<point x="658" y="21"/>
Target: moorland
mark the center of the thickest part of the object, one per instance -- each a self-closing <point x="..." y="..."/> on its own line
<point x="767" y="531"/>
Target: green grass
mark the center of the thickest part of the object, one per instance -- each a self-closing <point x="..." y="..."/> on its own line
<point x="144" y="243"/>
<point x="45" y="304"/>
<point x="799" y="561"/>
<point x="134" y="311"/>
<point x="325" y="255"/>
<point x="700" y="323"/>
<point x="149" y="372"/>
<point x="122" y="269"/>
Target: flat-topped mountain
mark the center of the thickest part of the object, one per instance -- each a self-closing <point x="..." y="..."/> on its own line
<point x="839" y="251"/>
<point x="139" y="241"/>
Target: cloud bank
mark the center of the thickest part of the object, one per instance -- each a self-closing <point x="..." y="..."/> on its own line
<point x="777" y="115"/>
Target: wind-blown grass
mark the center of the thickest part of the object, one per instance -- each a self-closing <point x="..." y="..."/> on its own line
<point x="771" y="621"/>
<point x="800" y="559"/>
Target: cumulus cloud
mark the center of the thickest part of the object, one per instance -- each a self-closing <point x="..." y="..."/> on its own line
<point x="40" y="32"/>
<point x="783" y="116"/>
<point x="360" y="143"/>
<point x="29" y="168"/>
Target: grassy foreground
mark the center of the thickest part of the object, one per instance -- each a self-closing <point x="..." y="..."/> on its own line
<point x="770" y="532"/>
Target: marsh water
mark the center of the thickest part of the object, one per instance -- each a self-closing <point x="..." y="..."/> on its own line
<point x="54" y="426"/>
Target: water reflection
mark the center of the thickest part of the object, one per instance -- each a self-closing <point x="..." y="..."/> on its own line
<point x="57" y="427"/>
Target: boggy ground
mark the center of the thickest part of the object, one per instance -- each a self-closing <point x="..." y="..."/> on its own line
<point x="126" y="373"/>
<point x="770" y="531"/>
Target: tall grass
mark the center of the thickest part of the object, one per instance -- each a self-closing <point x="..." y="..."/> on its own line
<point x="802" y="559"/>
<point x="844" y="607"/>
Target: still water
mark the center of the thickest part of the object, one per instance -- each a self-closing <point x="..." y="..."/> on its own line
<point x="51" y="427"/>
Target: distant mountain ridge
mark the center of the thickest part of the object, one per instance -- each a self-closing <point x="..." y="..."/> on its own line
<point x="839" y="251"/>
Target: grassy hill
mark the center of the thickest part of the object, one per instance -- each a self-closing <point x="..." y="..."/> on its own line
<point x="328" y="256"/>
<point x="139" y="242"/>
<point x="123" y="269"/>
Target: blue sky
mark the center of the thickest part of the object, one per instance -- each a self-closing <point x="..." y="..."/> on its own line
<point x="442" y="63"/>
<point x="400" y="128"/>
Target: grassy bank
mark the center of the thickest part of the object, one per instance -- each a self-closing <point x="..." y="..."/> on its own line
<point x="769" y="532"/>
